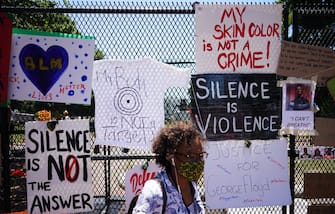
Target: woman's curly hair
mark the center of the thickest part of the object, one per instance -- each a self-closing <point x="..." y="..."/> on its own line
<point x="170" y="137"/>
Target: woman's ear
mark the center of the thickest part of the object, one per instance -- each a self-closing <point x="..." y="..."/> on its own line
<point x="169" y="156"/>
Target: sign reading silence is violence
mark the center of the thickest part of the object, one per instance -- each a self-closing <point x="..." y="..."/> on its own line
<point x="236" y="106"/>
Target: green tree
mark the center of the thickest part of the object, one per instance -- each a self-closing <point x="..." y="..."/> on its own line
<point x="314" y="20"/>
<point x="315" y="28"/>
<point x="49" y="22"/>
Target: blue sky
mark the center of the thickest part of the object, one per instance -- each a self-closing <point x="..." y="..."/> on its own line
<point x="107" y="39"/>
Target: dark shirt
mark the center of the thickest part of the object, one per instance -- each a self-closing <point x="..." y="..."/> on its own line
<point x="299" y="103"/>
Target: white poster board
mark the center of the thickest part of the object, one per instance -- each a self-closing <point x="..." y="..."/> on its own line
<point x="241" y="176"/>
<point x="129" y="99"/>
<point x="51" y="67"/>
<point x="297" y="105"/>
<point x="58" y="164"/>
<point x="237" y="38"/>
<point x="136" y="177"/>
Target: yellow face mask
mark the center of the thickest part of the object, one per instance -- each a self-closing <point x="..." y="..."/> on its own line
<point x="191" y="170"/>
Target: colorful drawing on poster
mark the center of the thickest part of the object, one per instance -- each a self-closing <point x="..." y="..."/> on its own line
<point x="297" y="106"/>
<point x="58" y="163"/>
<point x="51" y="67"/>
<point x="237" y="38"/>
<point x="5" y="46"/>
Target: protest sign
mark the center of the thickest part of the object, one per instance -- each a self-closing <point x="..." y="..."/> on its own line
<point x="5" y="45"/>
<point x="129" y="99"/>
<point x="237" y="38"/>
<point x="325" y="128"/>
<point x="236" y="106"/>
<point x="237" y="175"/>
<point x="51" y="67"/>
<point x="58" y="164"/>
<point x="136" y="178"/>
<point x="297" y="105"/>
<point x="305" y="61"/>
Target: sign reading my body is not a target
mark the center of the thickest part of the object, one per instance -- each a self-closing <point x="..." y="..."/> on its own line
<point x="129" y="99"/>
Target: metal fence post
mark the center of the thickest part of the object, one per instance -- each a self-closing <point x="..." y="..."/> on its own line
<point x="292" y="155"/>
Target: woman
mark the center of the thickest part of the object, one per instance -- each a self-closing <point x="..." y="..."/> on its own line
<point x="180" y="153"/>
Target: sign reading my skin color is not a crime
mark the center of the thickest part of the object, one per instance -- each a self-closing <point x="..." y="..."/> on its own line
<point x="237" y="38"/>
<point x="58" y="161"/>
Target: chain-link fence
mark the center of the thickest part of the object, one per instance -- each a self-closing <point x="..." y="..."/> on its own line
<point x="321" y="33"/>
<point x="163" y="31"/>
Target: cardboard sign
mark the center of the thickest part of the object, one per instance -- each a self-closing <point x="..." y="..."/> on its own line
<point x="236" y="106"/>
<point x="58" y="163"/>
<point x="129" y="99"/>
<point x="5" y="46"/>
<point x="241" y="176"/>
<point x="51" y="67"/>
<point x="305" y="61"/>
<point x="237" y="38"/>
<point x="325" y="128"/>
<point x="136" y="178"/>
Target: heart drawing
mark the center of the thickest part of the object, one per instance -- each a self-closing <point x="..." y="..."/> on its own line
<point x="43" y="68"/>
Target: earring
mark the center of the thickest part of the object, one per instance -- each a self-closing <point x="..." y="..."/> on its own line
<point x="172" y="161"/>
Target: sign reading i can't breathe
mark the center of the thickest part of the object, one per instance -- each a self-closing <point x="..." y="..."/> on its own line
<point x="237" y="106"/>
<point x="237" y="38"/>
<point x="58" y="161"/>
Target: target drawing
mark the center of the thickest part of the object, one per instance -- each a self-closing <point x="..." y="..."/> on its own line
<point x="128" y="101"/>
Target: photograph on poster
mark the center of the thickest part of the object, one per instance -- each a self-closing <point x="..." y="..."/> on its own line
<point x="298" y="97"/>
<point x="316" y="153"/>
<point x="306" y="153"/>
<point x="329" y="153"/>
<point x="297" y="106"/>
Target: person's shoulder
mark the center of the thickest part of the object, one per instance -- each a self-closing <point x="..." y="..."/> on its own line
<point x="152" y="182"/>
<point x="152" y="186"/>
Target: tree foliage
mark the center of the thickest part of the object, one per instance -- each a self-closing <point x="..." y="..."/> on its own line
<point x="315" y="28"/>
<point x="310" y="21"/>
<point x="26" y="18"/>
<point x="50" y="22"/>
